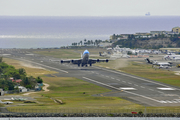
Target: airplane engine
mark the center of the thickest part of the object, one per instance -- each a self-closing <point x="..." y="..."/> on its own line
<point x="107" y="60"/>
<point x="72" y="61"/>
<point x="97" y="60"/>
<point x="62" y="61"/>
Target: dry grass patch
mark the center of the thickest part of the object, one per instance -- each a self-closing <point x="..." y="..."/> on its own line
<point x="31" y="70"/>
<point x="69" y="53"/>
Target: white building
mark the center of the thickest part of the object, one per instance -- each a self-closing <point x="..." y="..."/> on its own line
<point x="1" y="92"/>
<point x="22" y="89"/>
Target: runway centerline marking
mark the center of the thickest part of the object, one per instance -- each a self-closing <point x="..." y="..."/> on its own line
<point x="120" y="89"/>
<point x="133" y="77"/>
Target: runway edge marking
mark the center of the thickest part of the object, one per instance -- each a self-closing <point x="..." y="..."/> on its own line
<point x="120" y="89"/>
<point x="135" y="77"/>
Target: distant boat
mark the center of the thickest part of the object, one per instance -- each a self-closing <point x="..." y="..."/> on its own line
<point x="148" y="14"/>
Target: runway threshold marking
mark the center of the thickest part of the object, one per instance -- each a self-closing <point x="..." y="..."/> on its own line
<point x="134" y="77"/>
<point x="43" y="65"/>
<point x="120" y="89"/>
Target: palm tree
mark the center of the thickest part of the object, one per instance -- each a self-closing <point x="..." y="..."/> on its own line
<point x="85" y="41"/>
<point x="89" y="42"/>
<point x="81" y="43"/>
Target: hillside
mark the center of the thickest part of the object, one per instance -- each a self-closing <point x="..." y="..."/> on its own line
<point x="152" y="43"/>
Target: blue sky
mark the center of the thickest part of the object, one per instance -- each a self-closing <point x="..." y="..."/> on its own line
<point x="89" y="7"/>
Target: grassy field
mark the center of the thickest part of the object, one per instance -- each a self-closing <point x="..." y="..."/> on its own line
<point x="73" y="92"/>
<point x="68" y="53"/>
<point x="135" y="68"/>
<point x="76" y="94"/>
<point x="31" y="70"/>
<point x="146" y="71"/>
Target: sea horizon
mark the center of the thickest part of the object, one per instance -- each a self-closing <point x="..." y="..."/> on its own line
<point x="57" y="31"/>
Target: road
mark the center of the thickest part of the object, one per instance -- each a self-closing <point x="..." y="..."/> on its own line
<point x="133" y="88"/>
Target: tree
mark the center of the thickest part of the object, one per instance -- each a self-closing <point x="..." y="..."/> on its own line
<point x="1" y="58"/>
<point x="39" y="80"/>
<point x="6" y="85"/>
<point x="25" y="81"/>
<point x="85" y="40"/>
<point x="28" y="86"/>
<point x="10" y="85"/>
<point x="89" y="42"/>
<point x="81" y="43"/>
<point x="22" y="71"/>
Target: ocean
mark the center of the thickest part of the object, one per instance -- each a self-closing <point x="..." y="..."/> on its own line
<point x="43" y="32"/>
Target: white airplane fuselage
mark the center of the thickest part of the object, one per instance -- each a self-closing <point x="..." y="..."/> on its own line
<point x="85" y="58"/>
<point x="172" y="57"/>
<point x="84" y="61"/>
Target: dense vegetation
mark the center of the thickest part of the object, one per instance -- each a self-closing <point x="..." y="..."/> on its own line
<point x="134" y="42"/>
<point x="87" y="43"/>
<point x="8" y="71"/>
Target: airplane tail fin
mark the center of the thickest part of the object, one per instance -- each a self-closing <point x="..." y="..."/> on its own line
<point x="147" y="60"/>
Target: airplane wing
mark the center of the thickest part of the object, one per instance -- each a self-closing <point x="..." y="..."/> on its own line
<point x="92" y="61"/>
<point x="78" y="61"/>
<point x="73" y="61"/>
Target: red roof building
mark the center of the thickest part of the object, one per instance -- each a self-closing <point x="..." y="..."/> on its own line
<point x="17" y="81"/>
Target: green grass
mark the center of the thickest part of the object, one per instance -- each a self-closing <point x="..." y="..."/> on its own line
<point x="69" y="53"/>
<point x="70" y="90"/>
<point x="30" y="70"/>
<point x="146" y="71"/>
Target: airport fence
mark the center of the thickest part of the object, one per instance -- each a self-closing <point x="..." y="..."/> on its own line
<point x="108" y="111"/>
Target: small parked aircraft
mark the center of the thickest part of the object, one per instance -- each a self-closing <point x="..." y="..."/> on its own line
<point x="7" y="102"/>
<point x="18" y="99"/>
<point x="159" y="65"/>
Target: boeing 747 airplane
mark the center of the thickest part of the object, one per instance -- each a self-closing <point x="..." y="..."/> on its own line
<point x="84" y="61"/>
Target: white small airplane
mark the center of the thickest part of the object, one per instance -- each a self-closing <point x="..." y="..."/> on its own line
<point x="18" y="99"/>
<point x="172" y="57"/>
<point x="7" y="102"/>
<point x="159" y="65"/>
<point x="162" y="65"/>
<point x="84" y="61"/>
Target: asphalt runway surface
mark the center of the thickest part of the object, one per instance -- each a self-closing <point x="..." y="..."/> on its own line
<point x="136" y="89"/>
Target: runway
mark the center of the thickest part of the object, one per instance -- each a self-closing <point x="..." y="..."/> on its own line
<point x="133" y="88"/>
